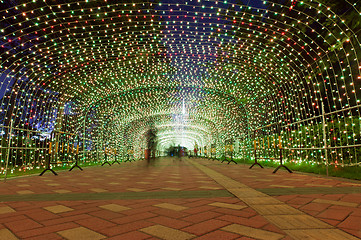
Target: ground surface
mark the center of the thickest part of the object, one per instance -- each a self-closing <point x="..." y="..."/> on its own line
<point x="179" y="199"/>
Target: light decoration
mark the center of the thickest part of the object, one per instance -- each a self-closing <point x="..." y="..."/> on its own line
<point x="96" y="73"/>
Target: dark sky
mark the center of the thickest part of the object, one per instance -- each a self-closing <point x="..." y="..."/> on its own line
<point x="5" y="82"/>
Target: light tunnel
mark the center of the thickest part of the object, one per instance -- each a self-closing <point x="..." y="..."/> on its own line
<point x="80" y="77"/>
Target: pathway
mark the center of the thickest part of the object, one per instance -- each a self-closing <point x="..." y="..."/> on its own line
<point x="179" y="199"/>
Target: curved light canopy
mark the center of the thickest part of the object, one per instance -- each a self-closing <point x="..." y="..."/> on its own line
<point x="103" y="72"/>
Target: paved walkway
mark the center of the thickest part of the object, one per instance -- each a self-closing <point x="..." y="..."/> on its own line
<point x="179" y="199"/>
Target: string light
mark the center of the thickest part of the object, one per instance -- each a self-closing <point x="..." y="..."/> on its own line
<point x="103" y="71"/>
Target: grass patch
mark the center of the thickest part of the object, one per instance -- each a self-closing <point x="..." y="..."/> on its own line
<point x="24" y="171"/>
<point x="335" y="171"/>
<point x="353" y="172"/>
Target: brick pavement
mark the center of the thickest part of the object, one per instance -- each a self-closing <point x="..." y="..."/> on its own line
<point x="187" y="199"/>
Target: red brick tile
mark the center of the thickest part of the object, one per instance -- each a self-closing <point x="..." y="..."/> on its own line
<point x="199" y="209"/>
<point x="170" y="213"/>
<point x="6" y="218"/>
<point x="40" y="214"/>
<point x="256" y="222"/>
<point x="107" y="215"/>
<point x="344" y="208"/>
<point x="318" y="207"/>
<point x="297" y="206"/>
<point x="330" y="221"/>
<point x="333" y="197"/>
<point x="205" y="227"/>
<point x="300" y="200"/>
<point x="353" y="198"/>
<point x="198" y="203"/>
<point x="246" y="212"/>
<point x="10" y="215"/>
<point x="272" y="228"/>
<point x="244" y="221"/>
<point x="71" y="204"/>
<point x="218" y="235"/>
<point x="132" y="218"/>
<point x="356" y="212"/>
<point x="64" y="220"/>
<point x="95" y="223"/>
<point x="231" y="200"/>
<point x="46" y="230"/>
<point x="52" y="236"/>
<point x="38" y="204"/>
<point x="89" y="205"/>
<point x="135" y="235"/>
<point x="314" y="196"/>
<point x="245" y="238"/>
<point x="129" y="227"/>
<point x="175" y="201"/>
<point x="22" y="225"/>
<point x="335" y="214"/>
<point x="139" y="210"/>
<point x="170" y="222"/>
<point x="133" y="204"/>
<point x="351" y="222"/>
<point x="286" y="198"/>
<point x="200" y="217"/>
<point x="17" y="205"/>
<point x="356" y="233"/>
<point x="311" y="212"/>
<point x="79" y="212"/>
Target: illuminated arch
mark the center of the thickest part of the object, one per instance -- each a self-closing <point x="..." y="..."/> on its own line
<point x="270" y="65"/>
